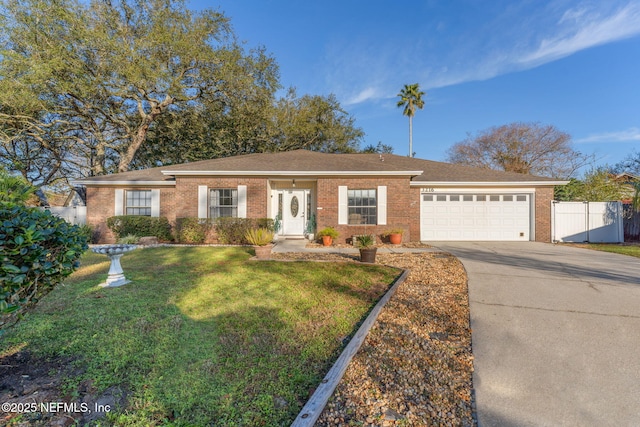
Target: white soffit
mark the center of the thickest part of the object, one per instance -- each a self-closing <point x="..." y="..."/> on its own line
<point x="292" y="173"/>
<point x="486" y="184"/>
<point x="112" y="183"/>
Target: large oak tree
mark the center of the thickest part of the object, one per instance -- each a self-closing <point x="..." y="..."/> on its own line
<point x="83" y="84"/>
<point x="244" y="126"/>
<point x="109" y="85"/>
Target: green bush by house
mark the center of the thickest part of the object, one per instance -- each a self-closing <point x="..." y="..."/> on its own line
<point x="38" y="251"/>
<point x="194" y="230"/>
<point x="232" y="231"/>
<point x="140" y="226"/>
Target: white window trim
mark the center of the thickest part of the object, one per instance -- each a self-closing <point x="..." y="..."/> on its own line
<point x="155" y="203"/>
<point x="203" y="201"/>
<point x="119" y="202"/>
<point x="381" y="203"/>
<point x="343" y="205"/>
<point x="242" y="201"/>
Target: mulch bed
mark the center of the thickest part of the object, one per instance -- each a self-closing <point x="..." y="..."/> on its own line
<point x="415" y="366"/>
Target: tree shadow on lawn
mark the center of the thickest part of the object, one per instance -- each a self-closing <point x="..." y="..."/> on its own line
<point x="230" y="375"/>
<point x="246" y="365"/>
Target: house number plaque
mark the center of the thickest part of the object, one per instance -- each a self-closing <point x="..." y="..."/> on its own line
<point x="294" y="206"/>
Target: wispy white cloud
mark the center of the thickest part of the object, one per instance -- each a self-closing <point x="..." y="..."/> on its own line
<point x="367" y="94"/>
<point x="579" y="29"/>
<point x="363" y="70"/>
<point x="628" y="135"/>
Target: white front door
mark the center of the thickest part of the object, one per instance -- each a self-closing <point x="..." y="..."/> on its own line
<point x="294" y="212"/>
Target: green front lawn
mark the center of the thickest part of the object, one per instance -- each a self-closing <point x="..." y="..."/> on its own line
<point x="202" y="336"/>
<point x="633" y="250"/>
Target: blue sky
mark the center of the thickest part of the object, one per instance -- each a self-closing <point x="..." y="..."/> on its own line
<point x="573" y="64"/>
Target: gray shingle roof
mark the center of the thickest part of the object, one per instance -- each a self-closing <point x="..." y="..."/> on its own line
<point x="309" y="162"/>
<point x="144" y="175"/>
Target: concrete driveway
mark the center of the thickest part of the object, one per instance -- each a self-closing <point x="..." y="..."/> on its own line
<point x="556" y="334"/>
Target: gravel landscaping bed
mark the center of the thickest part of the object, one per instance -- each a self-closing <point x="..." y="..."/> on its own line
<point x="415" y="366"/>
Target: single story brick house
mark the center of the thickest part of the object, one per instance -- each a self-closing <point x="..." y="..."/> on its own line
<point x="355" y="193"/>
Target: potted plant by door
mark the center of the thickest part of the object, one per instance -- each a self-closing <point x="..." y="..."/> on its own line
<point x="261" y="239"/>
<point x="366" y="244"/>
<point x="311" y="227"/>
<point x="395" y="236"/>
<point x="277" y="225"/>
<point x="327" y="235"/>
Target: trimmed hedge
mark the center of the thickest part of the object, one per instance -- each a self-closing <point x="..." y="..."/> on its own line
<point x="38" y="251"/>
<point x="193" y="230"/>
<point x="229" y="231"/>
<point x="232" y="231"/>
<point x="140" y="226"/>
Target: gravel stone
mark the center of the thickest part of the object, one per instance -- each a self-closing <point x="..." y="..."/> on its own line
<point x="415" y="366"/>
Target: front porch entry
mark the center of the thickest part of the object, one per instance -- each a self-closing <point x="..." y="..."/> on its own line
<point x="294" y="211"/>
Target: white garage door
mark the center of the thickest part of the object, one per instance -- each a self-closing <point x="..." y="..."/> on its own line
<point x="475" y="216"/>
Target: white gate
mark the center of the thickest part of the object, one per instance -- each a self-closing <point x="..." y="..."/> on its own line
<point x="597" y="222"/>
<point x="72" y="214"/>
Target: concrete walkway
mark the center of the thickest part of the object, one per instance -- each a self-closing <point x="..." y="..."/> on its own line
<point x="556" y="334"/>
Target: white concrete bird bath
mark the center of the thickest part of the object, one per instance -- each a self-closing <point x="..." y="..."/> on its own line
<point x="114" y="252"/>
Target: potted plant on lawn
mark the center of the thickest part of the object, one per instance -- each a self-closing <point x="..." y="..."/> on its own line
<point x="327" y="235"/>
<point x="261" y="239"/>
<point x="311" y="227"/>
<point x="366" y="244"/>
<point x="394" y="235"/>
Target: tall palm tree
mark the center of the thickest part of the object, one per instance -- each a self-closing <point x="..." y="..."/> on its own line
<point x="410" y="99"/>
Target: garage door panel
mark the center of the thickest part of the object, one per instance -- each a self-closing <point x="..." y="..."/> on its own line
<point x="475" y="217"/>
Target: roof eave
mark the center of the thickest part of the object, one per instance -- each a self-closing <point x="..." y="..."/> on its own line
<point x="486" y="183"/>
<point x="290" y="173"/>
<point x="124" y="182"/>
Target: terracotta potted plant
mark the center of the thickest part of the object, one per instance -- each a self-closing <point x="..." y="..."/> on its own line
<point x="366" y="244"/>
<point x="261" y="239"/>
<point x="327" y="235"/>
<point x="395" y="236"/>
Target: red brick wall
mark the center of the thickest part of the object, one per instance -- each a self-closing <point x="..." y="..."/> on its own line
<point x="186" y="195"/>
<point x="544" y="196"/>
<point x="403" y="206"/>
<point x="175" y="202"/>
<point x="101" y="205"/>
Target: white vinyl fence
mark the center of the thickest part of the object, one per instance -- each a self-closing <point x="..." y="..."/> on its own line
<point x="597" y="222"/>
<point x="73" y="214"/>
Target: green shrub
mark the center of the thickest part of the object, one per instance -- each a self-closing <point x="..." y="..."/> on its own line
<point x="233" y="230"/>
<point x="193" y="230"/>
<point x="328" y="231"/>
<point x="393" y="231"/>
<point x="140" y="226"/>
<point x="88" y="232"/>
<point x="129" y="239"/>
<point x="38" y="251"/>
<point x="259" y="236"/>
<point x="366" y="240"/>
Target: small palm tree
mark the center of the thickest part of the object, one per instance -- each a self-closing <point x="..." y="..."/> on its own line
<point x="410" y="99"/>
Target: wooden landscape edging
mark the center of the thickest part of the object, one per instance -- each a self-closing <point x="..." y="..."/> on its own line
<point x="314" y="407"/>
